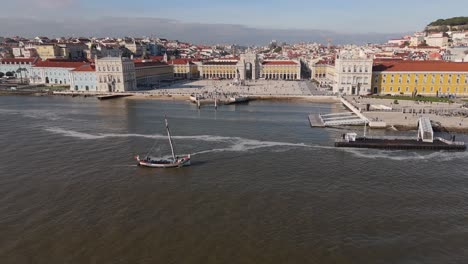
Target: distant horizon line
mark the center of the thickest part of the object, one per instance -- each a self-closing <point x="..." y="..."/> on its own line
<point x="178" y="21"/>
<point x="206" y="33"/>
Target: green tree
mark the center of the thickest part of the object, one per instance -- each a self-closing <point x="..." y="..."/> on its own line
<point x="277" y="50"/>
<point x="454" y="21"/>
<point x="444" y="28"/>
<point x="20" y="71"/>
<point x="9" y="74"/>
<point x="2" y="74"/>
<point x="438" y="22"/>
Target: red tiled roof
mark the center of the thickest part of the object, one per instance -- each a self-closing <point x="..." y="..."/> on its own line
<point x="220" y="63"/>
<point x="66" y="60"/>
<point x="420" y="66"/>
<point x="86" y="68"/>
<point x="435" y="56"/>
<point x="424" y="47"/>
<point x="59" y="64"/>
<point x="327" y="62"/>
<point x="228" y="59"/>
<point x="159" y="58"/>
<point x="279" y="63"/>
<point x="179" y="61"/>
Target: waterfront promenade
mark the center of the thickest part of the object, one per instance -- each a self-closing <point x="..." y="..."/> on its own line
<point x="250" y="88"/>
<point x="405" y="114"/>
<point x="255" y="89"/>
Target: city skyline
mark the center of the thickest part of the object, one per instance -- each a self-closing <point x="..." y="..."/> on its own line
<point x="248" y="22"/>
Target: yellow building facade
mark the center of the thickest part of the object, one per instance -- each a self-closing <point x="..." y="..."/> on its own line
<point x="48" y="51"/>
<point x="281" y="70"/>
<point x="184" y="69"/>
<point x="219" y="69"/>
<point x="421" y="77"/>
<point x="323" y="73"/>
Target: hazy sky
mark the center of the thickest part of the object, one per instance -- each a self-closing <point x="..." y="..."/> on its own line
<point x="353" y="16"/>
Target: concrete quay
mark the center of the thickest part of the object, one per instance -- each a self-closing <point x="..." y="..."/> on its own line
<point x="449" y="117"/>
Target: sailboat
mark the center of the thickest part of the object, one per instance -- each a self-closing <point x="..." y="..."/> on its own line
<point x="174" y="162"/>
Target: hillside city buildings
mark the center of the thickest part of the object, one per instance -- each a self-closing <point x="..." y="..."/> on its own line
<point x="431" y="64"/>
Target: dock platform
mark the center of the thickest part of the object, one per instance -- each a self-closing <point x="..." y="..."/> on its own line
<point x="437" y="144"/>
<point x="112" y="96"/>
<point x="316" y="121"/>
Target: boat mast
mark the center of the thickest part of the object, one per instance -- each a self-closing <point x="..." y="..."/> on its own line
<point x="365" y="128"/>
<point x="170" y="139"/>
<point x="216" y="103"/>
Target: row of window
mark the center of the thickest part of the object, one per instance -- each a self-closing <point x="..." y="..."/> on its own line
<point x="209" y="67"/>
<point x="423" y="89"/>
<point x="180" y="74"/>
<point x="355" y="69"/>
<point x="85" y="87"/>
<point x="425" y="75"/>
<point x="219" y="72"/>
<point x="53" y="73"/>
<point x="84" y="79"/>
<point x="280" y="72"/>
<point x="108" y="68"/>
<point x="16" y="63"/>
<point x="280" y="76"/>
<point x="416" y="80"/>
<point x="105" y="79"/>
<point x="226" y="75"/>
<point x="349" y="80"/>
<point x="181" y="70"/>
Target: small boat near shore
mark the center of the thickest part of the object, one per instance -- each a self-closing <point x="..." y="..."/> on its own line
<point x="238" y="99"/>
<point x="350" y="140"/>
<point x="195" y="98"/>
<point x="425" y="140"/>
<point x="173" y="162"/>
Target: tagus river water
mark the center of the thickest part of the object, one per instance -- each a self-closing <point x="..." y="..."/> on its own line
<point x="264" y="187"/>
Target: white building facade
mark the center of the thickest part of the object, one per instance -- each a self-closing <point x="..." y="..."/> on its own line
<point x="53" y="72"/>
<point x="437" y="40"/>
<point x="353" y="73"/>
<point x="23" y="65"/>
<point x="115" y="74"/>
<point x="460" y="38"/>
<point x="83" y="78"/>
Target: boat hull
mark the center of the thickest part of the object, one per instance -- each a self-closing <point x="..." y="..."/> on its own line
<point x="399" y="144"/>
<point x="180" y="162"/>
<point x="195" y="99"/>
<point x="241" y="99"/>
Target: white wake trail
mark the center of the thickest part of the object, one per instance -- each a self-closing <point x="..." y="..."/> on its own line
<point x="87" y="136"/>
<point x="243" y="145"/>
<point x="236" y="144"/>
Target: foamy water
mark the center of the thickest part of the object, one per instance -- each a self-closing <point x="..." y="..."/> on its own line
<point x="238" y="144"/>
